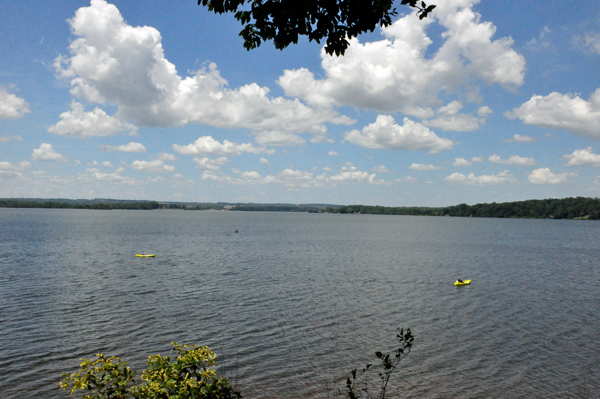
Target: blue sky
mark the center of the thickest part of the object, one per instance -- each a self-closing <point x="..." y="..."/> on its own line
<point x="484" y="101"/>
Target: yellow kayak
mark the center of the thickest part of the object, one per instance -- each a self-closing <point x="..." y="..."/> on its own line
<point x="145" y="256"/>
<point x="465" y="282"/>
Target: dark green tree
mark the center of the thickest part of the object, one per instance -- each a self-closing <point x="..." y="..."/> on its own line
<point x="284" y="21"/>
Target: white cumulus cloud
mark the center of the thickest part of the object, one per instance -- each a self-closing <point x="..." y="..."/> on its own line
<point x="11" y="106"/>
<point x="419" y="166"/>
<point x="114" y="176"/>
<point x="397" y="73"/>
<point x="500" y="178"/>
<point x="165" y="156"/>
<point x="113" y="62"/>
<point x="584" y="157"/>
<point x="349" y="174"/>
<point x="291" y="179"/>
<point x="250" y="175"/>
<point x="78" y="123"/>
<point x="47" y="153"/>
<point x="562" y="111"/>
<point x="131" y="147"/>
<point x="155" y="166"/>
<point x="206" y="145"/>
<point x="518" y="138"/>
<point x="545" y="176"/>
<point x="210" y="164"/>
<point x="13" y="167"/>
<point x="450" y="119"/>
<point x="380" y="169"/>
<point x="6" y="139"/>
<point x="461" y="162"/>
<point x="385" y="133"/>
<point x="265" y="161"/>
<point x="512" y="160"/>
<point x="296" y="179"/>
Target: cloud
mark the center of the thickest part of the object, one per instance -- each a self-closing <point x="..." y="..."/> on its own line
<point x="164" y="156"/>
<point x="541" y="41"/>
<point x="155" y="166"/>
<point x="461" y="162"/>
<point x="583" y="157"/>
<point x="349" y="174"/>
<point x="545" y="176"/>
<point x="206" y="145"/>
<point x="6" y="139"/>
<point x="512" y="160"/>
<point x="419" y="166"/>
<point x="13" y="167"/>
<point x="210" y="164"/>
<point x="114" y="176"/>
<point x="385" y="133"/>
<point x="450" y="119"/>
<point x="295" y="179"/>
<point x="11" y="106"/>
<point x="333" y="154"/>
<point x="278" y="138"/>
<point x="107" y="164"/>
<point x="78" y="123"/>
<point x="398" y="73"/>
<point x="471" y="179"/>
<point x="10" y="175"/>
<point x="517" y="138"/>
<point x="591" y="41"/>
<point x="113" y="62"/>
<point x="289" y="178"/>
<point x="465" y="162"/>
<point x="380" y="169"/>
<point x="408" y="179"/>
<point x="131" y="147"/>
<point x="562" y="111"/>
<point x="47" y="153"/>
<point x="250" y="175"/>
<point x="265" y="161"/>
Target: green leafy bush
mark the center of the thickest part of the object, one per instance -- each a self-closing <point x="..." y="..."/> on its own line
<point x="189" y="376"/>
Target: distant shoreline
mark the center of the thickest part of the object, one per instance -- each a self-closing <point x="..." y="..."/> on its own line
<point x="576" y="208"/>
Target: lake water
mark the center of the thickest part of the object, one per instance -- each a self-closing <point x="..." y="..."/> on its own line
<point x="294" y="301"/>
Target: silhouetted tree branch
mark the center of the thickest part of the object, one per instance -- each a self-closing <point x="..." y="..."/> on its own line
<point x="284" y="21"/>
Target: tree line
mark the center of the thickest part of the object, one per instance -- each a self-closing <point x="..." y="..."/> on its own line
<point x="100" y="203"/>
<point x="142" y="205"/>
<point x="566" y="208"/>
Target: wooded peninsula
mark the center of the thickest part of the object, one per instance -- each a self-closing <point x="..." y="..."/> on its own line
<point x="566" y="208"/>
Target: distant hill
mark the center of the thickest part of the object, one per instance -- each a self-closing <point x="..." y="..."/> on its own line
<point x="104" y="203"/>
<point x="566" y="208"/>
<point x="97" y="203"/>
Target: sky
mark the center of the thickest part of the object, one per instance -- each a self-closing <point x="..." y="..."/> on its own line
<point x="483" y="101"/>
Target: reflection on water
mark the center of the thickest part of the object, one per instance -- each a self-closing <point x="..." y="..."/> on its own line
<point x="294" y="301"/>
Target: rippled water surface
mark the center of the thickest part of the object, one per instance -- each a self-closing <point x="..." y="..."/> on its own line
<point x="293" y="302"/>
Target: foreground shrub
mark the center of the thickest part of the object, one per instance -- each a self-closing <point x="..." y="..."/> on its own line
<point x="358" y="384"/>
<point x="188" y="376"/>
